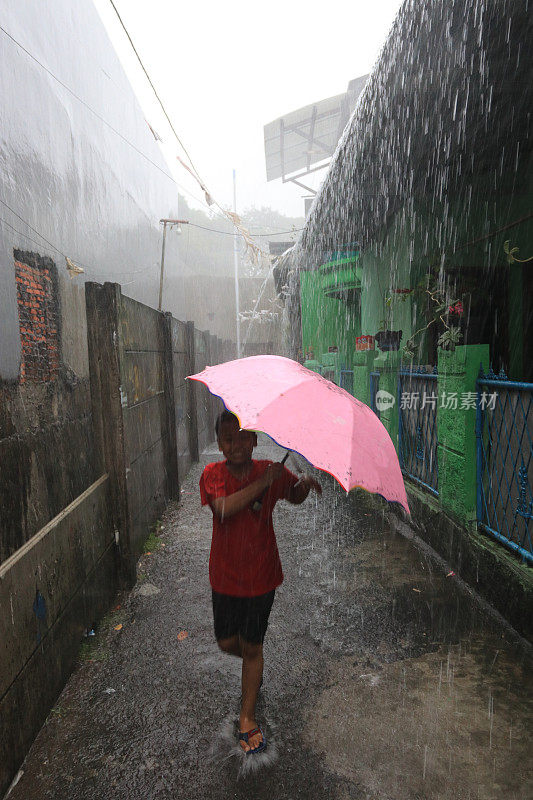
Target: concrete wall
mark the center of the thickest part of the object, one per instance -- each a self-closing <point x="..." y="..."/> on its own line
<point x="180" y="364"/>
<point x="46" y="438"/>
<point x="201" y="359"/>
<point x="78" y="164"/>
<point x="148" y="420"/>
<point x="63" y="561"/>
<point x="144" y="415"/>
<point x="51" y="589"/>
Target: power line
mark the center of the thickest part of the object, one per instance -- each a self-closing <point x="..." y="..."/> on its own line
<point x="32" y="229"/>
<point x="128" y="142"/>
<point x="70" y="91"/>
<point x="24" y="235"/>
<point x="232" y="233"/>
<point x="153" y="88"/>
<point x="233" y="217"/>
<point x="102" y="119"/>
<point x="90" y="270"/>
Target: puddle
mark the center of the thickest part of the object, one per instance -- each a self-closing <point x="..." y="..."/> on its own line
<point x="449" y="724"/>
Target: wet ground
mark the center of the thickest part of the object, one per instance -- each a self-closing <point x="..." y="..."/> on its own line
<point x="384" y="678"/>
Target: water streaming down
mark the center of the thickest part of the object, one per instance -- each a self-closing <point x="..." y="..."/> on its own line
<point x="408" y="685"/>
<point x="435" y="157"/>
<point x="432" y="174"/>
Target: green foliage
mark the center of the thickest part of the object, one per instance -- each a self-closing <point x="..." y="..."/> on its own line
<point x="93" y="650"/>
<point x="408" y="351"/>
<point x="152" y="543"/>
<point x="441" y="302"/>
<point x="450" y="338"/>
<point x="510" y="253"/>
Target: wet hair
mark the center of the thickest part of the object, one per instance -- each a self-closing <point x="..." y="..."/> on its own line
<point x="225" y="416"/>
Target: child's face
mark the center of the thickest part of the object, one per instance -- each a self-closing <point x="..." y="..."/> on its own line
<point x="237" y="446"/>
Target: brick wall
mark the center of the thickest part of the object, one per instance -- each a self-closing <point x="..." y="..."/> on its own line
<point x="38" y="307"/>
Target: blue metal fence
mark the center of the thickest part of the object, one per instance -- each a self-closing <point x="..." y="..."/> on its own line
<point x="504" y="433"/>
<point x="417" y="432"/>
<point x="374" y="388"/>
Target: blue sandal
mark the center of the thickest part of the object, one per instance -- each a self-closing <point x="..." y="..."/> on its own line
<point x="260" y="747"/>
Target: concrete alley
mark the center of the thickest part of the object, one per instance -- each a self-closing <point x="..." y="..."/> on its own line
<point x="385" y="678"/>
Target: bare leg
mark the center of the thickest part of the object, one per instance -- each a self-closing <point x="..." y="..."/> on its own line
<point x="232" y="646"/>
<point x="252" y="672"/>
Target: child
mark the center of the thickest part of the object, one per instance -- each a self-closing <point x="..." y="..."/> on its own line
<point x="244" y="564"/>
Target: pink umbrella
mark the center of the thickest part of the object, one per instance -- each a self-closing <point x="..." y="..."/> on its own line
<point x="303" y="411"/>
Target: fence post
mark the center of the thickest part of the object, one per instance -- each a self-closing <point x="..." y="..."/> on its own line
<point x="458" y="371"/>
<point x="170" y="443"/>
<point x="192" y="416"/>
<point x="209" y="360"/>
<point x="103" y="305"/>
<point x="362" y="367"/>
<point x="387" y="364"/>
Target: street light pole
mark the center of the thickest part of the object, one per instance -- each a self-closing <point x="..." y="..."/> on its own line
<point x="236" y="270"/>
<point x="166" y="222"/>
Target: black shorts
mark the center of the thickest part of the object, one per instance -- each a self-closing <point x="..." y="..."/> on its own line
<point x="246" y="616"/>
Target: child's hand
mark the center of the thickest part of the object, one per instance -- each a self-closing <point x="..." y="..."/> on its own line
<point x="310" y="483"/>
<point x="272" y="473"/>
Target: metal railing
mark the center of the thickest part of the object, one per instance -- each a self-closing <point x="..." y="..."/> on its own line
<point x="504" y="435"/>
<point x="374" y="388"/>
<point x="417" y="431"/>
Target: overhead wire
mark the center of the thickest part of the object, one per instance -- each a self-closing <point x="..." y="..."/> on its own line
<point x="153" y="88"/>
<point x="253" y="251"/>
<point x="104" y="121"/>
<point x="85" y="267"/>
<point x="133" y="146"/>
<point x="124" y="138"/>
<point x="88" y="269"/>
<point x="232" y="233"/>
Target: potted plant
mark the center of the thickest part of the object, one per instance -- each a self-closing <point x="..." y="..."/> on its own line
<point x="388" y="340"/>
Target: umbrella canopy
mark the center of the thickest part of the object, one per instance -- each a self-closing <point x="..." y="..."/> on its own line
<point x="303" y="411"/>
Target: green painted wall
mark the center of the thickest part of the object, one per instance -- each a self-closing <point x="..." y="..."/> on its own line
<point x="409" y="248"/>
<point x="327" y="322"/>
<point x="456" y="427"/>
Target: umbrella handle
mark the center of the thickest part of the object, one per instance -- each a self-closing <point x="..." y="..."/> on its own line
<point x="257" y="505"/>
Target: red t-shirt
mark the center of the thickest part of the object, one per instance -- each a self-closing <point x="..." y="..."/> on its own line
<point x="244" y="559"/>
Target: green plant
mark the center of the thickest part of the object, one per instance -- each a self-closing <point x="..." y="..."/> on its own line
<point x="385" y="324"/>
<point x="441" y="306"/>
<point x="396" y="296"/>
<point x="93" y="651"/>
<point x="510" y="253"/>
<point x="153" y="542"/>
<point x="450" y="338"/>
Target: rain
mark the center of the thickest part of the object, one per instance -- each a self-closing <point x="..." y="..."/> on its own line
<point x="266" y="401"/>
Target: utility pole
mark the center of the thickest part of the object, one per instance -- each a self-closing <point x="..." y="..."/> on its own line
<point x="236" y="269"/>
<point x="166" y="222"/>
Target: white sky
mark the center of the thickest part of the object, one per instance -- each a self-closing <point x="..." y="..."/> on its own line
<point x="224" y="70"/>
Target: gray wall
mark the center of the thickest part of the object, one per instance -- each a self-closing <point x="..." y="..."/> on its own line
<point x="144" y="415"/>
<point x="65" y="172"/>
<point x="59" y="572"/>
<point x="180" y="363"/>
<point x="205" y="432"/>
<point x="50" y="591"/>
